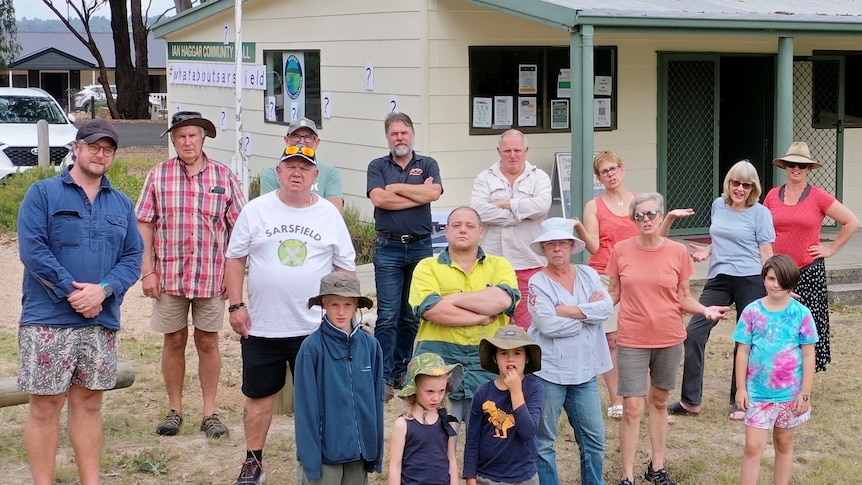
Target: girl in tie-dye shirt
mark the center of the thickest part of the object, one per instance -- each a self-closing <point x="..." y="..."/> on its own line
<point x="776" y="336"/>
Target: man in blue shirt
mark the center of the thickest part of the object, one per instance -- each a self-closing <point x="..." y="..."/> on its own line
<point x="401" y="186"/>
<point x="79" y="242"/>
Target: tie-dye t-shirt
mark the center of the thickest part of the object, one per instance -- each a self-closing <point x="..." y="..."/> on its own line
<point x="776" y="339"/>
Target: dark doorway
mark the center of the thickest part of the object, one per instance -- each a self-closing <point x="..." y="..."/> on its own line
<point x="56" y="84"/>
<point x="746" y="107"/>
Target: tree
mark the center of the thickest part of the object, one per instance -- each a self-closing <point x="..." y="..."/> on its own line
<point x="9" y="47"/>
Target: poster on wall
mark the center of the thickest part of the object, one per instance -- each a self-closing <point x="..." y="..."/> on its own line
<point x="559" y="114"/>
<point x="602" y="112"/>
<point x="528" y="82"/>
<point x="526" y="111"/>
<point x="294" y="85"/>
<point x="503" y="117"/>
<point x="482" y="108"/>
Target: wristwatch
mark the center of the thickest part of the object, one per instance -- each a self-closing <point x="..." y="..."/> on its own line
<point x="108" y="290"/>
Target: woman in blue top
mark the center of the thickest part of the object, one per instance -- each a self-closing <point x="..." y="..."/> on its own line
<point x="742" y="236"/>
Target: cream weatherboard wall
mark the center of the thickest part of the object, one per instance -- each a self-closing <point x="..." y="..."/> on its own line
<point x="420" y="53"/>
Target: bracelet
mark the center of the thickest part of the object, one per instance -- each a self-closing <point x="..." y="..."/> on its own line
<point x="235" y="307"/>
<point x="805" y="397"/>
<point x="151" y="272"/>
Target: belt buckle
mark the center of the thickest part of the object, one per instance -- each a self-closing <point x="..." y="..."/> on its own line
<point x="405" y="238"/>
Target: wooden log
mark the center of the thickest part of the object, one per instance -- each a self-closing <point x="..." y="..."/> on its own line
<point x="11" y="396"/>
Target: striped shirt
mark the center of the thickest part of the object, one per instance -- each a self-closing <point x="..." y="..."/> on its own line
<point x="193" y="217"/>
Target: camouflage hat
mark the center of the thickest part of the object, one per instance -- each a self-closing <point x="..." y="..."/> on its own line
<point x="429" y="364"/>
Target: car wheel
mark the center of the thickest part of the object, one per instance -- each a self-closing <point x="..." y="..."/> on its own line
<point x="86" y="106"/>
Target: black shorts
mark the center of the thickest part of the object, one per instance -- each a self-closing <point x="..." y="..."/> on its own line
<point x="264" y="364"/>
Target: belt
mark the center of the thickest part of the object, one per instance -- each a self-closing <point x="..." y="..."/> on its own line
<point x="403" y="238"/>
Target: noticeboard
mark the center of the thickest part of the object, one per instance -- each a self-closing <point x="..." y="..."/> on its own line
<point x="561" y="185"/>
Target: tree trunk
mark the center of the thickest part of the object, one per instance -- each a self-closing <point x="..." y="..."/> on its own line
<point x="182" y="5"/>
<point x="124" y="73"/>
<point x="142" y="63"/>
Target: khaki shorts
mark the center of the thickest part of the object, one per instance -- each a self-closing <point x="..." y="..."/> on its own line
<point x="171" y="313"/>
<point x="54" y="358"/>
<point x="612" y="323"/>
<point x="661" y="365"/>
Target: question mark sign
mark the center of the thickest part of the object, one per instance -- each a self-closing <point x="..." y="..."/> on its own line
<point x="293" y="114"/>
<point x="326" y="103"/>
<point x="367" y="77"/>
<point x="394" y="106"/>
<point x="223" y="115"/>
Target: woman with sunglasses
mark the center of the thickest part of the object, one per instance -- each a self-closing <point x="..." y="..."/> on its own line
<point x="650" y="280"/>
<point x="798" y="209"/>
<point x="742" y="235"/>
<point x="607" y="221"/>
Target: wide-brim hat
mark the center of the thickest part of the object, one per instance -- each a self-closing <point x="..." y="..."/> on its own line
<point x="557" y="229"/>
<point x="509" y="337"/>
<point x="339" y="283"/>
<point x="430" y="364"/>
<point x="185" y="118"/>
<point x="797" y="153"/>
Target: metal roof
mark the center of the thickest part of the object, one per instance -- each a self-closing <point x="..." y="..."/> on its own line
<point x="820" y="10"/>
<point x="35" y="43"/>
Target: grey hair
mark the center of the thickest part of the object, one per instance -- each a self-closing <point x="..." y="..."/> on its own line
<point x="513" y="132"/>
<point x="646" y="196"/>
<point x="743" y="171"/>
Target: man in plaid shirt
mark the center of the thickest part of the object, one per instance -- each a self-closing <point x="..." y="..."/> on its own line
<point x="186" y="211"/>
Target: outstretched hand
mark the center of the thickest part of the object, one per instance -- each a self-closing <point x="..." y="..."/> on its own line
<point x="701" y="252"/>
<point x="716" y="312"/>
<point x="680" y="213"/>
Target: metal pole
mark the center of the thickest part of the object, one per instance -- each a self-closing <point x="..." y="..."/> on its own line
<point x="783" y="105"/>
<point x="240" y="167"/>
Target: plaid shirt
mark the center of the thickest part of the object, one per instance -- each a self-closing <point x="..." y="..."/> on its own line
<point x="193" y="217"/>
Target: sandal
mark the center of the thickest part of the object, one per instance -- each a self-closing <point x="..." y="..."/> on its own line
<point x="677" y="408"/>
<point x="736" y="414"/>
<point x="615" y="411"/>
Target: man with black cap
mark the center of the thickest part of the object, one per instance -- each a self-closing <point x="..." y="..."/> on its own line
<point x="186" y="211"/>
<point x="328" y="184"/>
<point x="291" y="238"/>
<point x="81" y="251"/>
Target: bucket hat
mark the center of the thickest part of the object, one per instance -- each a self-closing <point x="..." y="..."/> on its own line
<point x="340" y="283"/>
<point x="509" y="337"/>
<point x="430" y="364"/>
<point x="185" y="118"/>
<point x="555" y="229"/>
<point x="797" y="153"/>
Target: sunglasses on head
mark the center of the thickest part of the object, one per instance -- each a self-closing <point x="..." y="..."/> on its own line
<point x="299" y="149"/>
<point x="795" y="165"/>
<point x="745" y="185"/>
<point x="639" y="216"/>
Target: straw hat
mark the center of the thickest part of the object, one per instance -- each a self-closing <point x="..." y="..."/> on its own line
<point x="797" y="153"/>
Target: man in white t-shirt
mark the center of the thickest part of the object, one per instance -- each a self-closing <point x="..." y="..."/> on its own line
<point x="290" y="238"/>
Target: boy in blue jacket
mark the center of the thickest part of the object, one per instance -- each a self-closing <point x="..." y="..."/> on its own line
<point x="339" y="391"/>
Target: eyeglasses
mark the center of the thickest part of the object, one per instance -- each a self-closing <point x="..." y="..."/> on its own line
<point x="609" y="171"/>
<point x="562" y="243"/>
<point x="651" y="215"/>
<point x="303" y="138"/>
<point x="94" y="149"/>
<point x="298" y="150"/>
<point x="745" y="185"/>
<point x="795" y="165"/>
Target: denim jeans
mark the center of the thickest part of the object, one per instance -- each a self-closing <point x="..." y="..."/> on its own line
<point x="719" y="290"/>
<point x="396" y="325"/>
<point x="584" y="410"/>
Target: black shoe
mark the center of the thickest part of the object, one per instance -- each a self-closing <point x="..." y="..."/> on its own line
<point x="213" y="427"/>
<point x="170" y="424"/>
<point x="626" y="481"/>
<point x="659" y="477"/>
<point x="251" y="473"/>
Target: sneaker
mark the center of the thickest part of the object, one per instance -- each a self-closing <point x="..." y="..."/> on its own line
<point x="659" y="477"/>
<point x="251" y="473"/>
<point x="213" y="427"/>
<point x="626" y="481"/>
<point x="170" y="424"/>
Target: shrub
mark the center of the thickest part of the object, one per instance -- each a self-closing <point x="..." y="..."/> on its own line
<point x="361" y="232"/>
<point x="12" y="192"/>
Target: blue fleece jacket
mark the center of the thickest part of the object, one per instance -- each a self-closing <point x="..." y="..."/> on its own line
<point x="339" y="400"/>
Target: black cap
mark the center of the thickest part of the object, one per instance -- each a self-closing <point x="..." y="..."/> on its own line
<point x="97" y="129"/>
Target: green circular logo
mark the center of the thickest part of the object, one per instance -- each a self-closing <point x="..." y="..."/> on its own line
<point x="293" y="77"/>
<point x="292" y="252"/>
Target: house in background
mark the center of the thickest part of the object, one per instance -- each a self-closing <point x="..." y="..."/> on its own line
<point x="681" y="89"/>
<point x="60" y="64"/>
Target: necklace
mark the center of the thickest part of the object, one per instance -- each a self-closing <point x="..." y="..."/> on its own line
<point x="619" y="202"/>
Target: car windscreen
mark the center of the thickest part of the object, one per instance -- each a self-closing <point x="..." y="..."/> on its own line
<point x="30" y="109"/>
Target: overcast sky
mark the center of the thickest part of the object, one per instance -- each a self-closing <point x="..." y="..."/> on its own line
<point x="37" y="9"/>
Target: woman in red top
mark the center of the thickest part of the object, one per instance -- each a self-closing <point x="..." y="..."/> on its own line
<point x="607" y="221"/>
<point x="798" y="209"/>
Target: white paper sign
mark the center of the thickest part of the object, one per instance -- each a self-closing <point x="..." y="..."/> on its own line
<point x="526" y="111"/>
<point x="603" y="86"/>
<point x="369" y="76"/>
<point x="294" y="111"/>
<point x="179" y="108"/>
<point x="223" y="119"/>
<point x="214" y="74"/>
<point x="528" y="78"/>
<point x="503" y="111"/>
<point x="246" y="138"/>
<point x="393" y="103"/>
<point x="226" y="39"/>
<point x="270" y="108"/>
<point x="482" y="109"/>
<point x="602" y="112"/>
<point x="564" y="83"/>
<point x="327" y="105"/>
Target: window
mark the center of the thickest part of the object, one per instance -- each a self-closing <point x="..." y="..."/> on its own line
<point x="529" y="88"/>
<point x="827" y="80"/>
<point x="292" y="86"/>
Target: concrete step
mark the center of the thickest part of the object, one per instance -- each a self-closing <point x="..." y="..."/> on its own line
<point x="843" y="276"/>
<point x="845" y="294"/>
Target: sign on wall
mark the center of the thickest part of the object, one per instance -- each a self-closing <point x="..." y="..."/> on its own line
<point x="210" y="51"/>
<point x="219" y="75"/>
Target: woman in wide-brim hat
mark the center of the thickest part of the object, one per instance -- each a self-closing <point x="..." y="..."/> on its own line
<point x="798" y="210"/>
<point x="569" y="304"/>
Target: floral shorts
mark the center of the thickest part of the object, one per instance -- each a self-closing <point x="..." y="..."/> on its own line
<point x="54" y="358"/>
<point x="766" y="415"/>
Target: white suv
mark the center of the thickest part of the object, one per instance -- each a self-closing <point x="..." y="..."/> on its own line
<point x="20" y="110"/>
<point x="93" y="92"/>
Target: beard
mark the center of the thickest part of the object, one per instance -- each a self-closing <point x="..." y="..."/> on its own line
<point x="402" y="150"/>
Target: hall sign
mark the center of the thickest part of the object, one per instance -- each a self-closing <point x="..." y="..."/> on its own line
<point x="210" y="51"/>
<point x="219" y="75"/>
